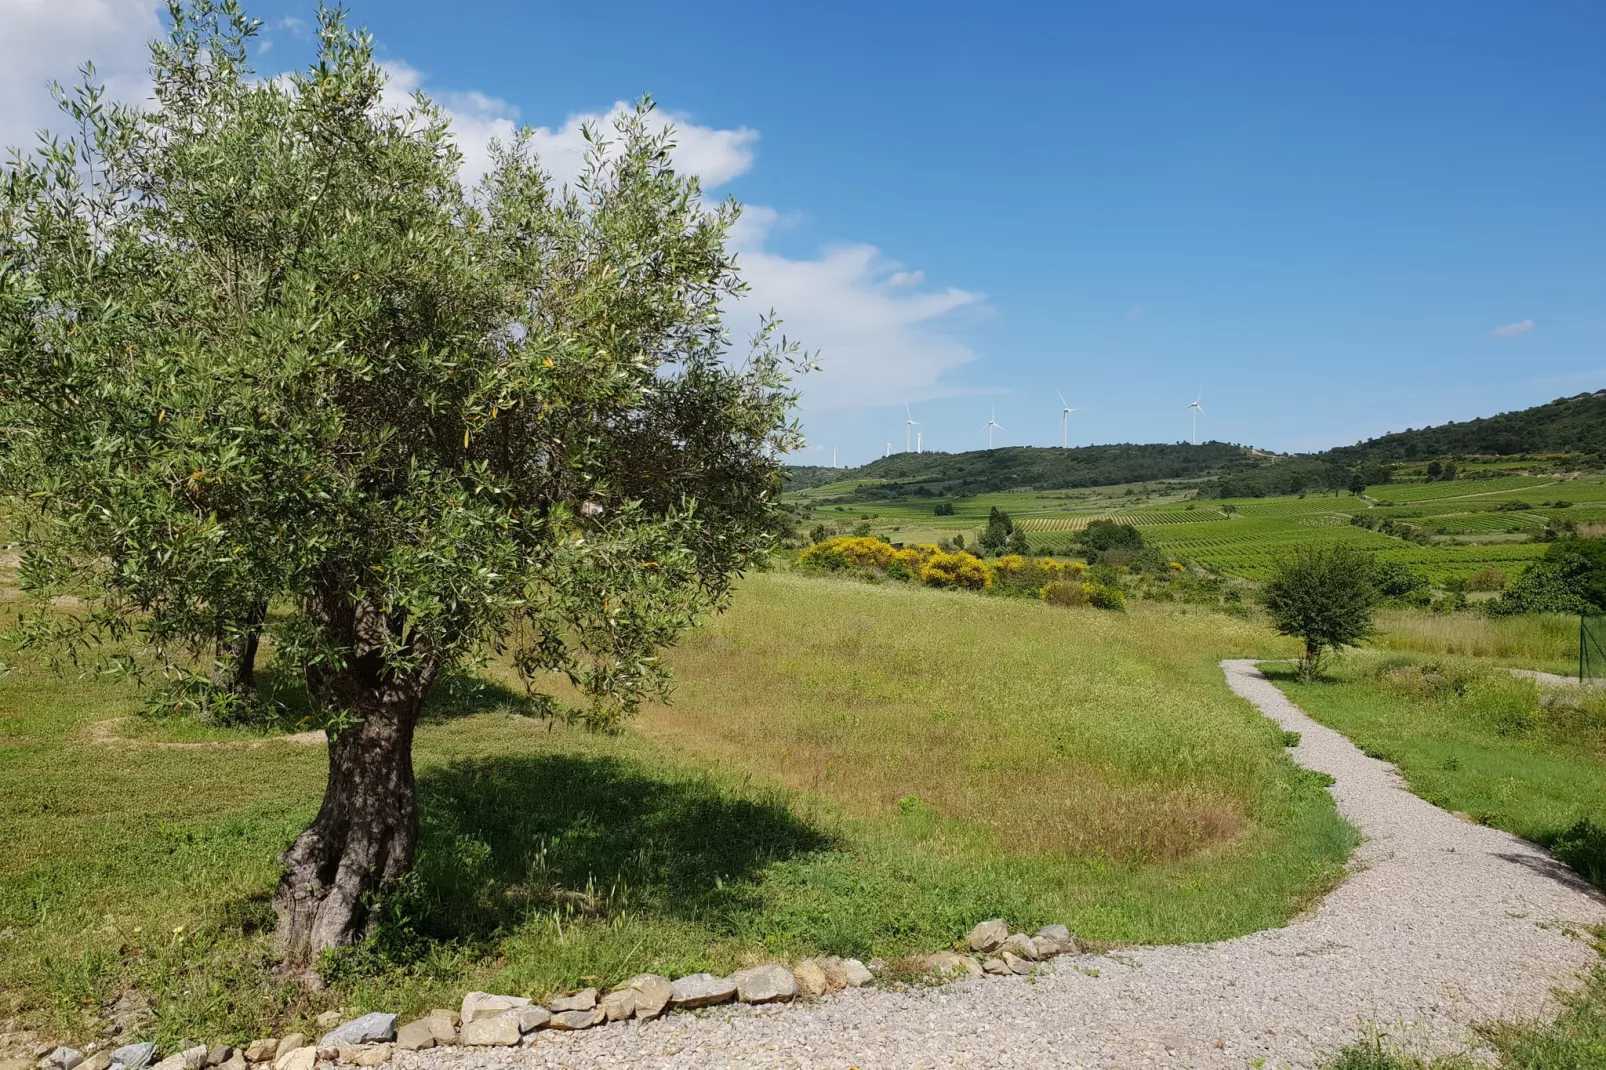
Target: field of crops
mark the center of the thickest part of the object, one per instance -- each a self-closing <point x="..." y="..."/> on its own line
<point x="1461" y="488"/>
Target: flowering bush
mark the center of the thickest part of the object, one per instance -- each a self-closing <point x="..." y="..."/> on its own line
<point x="1075" y="593"/>
<point x="851" y="551"/>
<point x="1017" y="575"/>
<point x="956" y="570"/>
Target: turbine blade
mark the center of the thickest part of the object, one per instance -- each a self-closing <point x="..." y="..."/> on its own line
<point x="1062" y="399"/>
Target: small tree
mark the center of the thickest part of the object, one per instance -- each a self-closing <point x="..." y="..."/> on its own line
<point x="259" y="347"/>
<point x="1323" y="596"/>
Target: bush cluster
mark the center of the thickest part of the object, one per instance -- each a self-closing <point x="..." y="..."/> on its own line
<point x="1057" y="582"/>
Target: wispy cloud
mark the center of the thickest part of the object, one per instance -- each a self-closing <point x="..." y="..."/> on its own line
<point x="906" y="278"/>
<point x="1512" y="330"/>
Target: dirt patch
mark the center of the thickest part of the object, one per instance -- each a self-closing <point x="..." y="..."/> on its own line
<point x="105" y="734"/>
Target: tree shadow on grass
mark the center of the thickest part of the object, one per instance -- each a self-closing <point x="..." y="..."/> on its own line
<point x="507" y="838"/>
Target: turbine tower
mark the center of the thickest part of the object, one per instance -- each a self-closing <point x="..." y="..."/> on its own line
<point x="833" y="456"/>
<point x="909" y="424"/>
<point x="1065" y="421"/>
<point x="991" y="424"/>
<point x="889" y="450"/>
<point x="1198" y="411"/>
<point x="918" y="436"/>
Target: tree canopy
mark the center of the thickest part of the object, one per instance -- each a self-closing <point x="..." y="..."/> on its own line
<point x="258" y="344"/>
<point x="1323" y="596"/>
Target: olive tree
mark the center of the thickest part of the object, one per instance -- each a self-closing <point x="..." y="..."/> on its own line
<point x="260" y="348"/>
<point x="1323" y="596"/>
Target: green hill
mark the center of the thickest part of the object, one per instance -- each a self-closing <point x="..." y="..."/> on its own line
<point x="1021" y="467"/>
<point x="1566" y="425"/>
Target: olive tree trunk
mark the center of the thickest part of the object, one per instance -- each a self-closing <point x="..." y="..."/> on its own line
<point x="234" y="667"/>
<point x="365" y="833"/>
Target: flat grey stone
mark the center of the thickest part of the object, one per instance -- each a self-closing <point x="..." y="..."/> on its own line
<point x="375" y="1028"/>
<point x="578" y="1019"/>
<point x="64" y="1058"/>
<point x="703" y="990"/>
<point x="134" y="1056"/>
<point x="531" y="1018"/>
<point x="653" y="993"/>
<point x="583" y="1000"/>
<point x="772" y="983"/>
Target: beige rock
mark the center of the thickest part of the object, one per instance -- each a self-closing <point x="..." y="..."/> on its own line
<point x="327" y="1053"/>
<point x="619" y="1004"/>
<point x="653" y="993"/>
<point x="988" y="936"/>
<point x="195" y="1056"/>
<point x="1020" y="945"/>
<point x="218" y="1054"/>
<point x="101" y="1060"/>
<point x="583" y="1000"/>
<point x="484" y="1005"/>
<point x="811" y="980"/>
<point x="445" y="1029"/>
<point x="578" y="1019"/>
<point x="366" y="1054"/>
<point x="415" y="1036"/>
<point x="450" y="1015"/>
<point x="287" y="1045"/>
<point x="328" y="1019"/>
<point x="953" y="964"/>
<point x="172" y="1062"/>
<point x="261" y="1051"/>
<point x="300" y="1058"/>
<point x="233" y="1062"/>
<point x="772" y="983"/>
<point x="845" y="973"/>
<point x="995" y="966"/>
<point x="499" y="1032"/>
<point x="1016" y="964"/>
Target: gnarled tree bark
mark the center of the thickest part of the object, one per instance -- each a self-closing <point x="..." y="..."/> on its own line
<point x="234" y="667"/>
<point x="367" y="829"/>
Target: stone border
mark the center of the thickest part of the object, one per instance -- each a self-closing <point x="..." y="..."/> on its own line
<point x="486" y="1020"/>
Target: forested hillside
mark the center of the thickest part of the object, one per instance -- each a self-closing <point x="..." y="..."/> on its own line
<point x="1566" y="425"/>
<point x="1013" y="467"/>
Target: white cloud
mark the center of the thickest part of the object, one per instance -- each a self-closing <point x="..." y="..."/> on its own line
<point x="41" y="40"/>
<point x="1512" y="330"/>
<point x="878" y="344"/>
<point x="715" y="156"/>
<point x="883" y="338"/>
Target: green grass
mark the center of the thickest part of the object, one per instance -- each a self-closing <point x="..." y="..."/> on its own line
<point x="849" y="768"/>
<point x="1469" y="738"/>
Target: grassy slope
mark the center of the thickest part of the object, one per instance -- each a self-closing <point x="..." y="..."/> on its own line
<point x="848" y="768"/>
<point x="1479" y="743"/>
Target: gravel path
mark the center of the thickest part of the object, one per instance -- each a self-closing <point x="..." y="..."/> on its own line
<point x="1441" y="923"/>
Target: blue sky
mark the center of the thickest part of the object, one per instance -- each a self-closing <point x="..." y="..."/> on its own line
<point x="1339" y="219"/>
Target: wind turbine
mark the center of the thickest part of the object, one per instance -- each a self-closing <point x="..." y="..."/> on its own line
<point x="909" y="424"/>
<point x="889" y="450"/>
<point x="991" y="424"/>
<point x="1198" y="411"/>
<point x="833" y="456"/>
<point x="1065" y="420"/>
<point x="918" y="436"/>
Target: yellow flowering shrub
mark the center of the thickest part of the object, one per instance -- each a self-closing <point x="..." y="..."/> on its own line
<point x="956" y="570"/>
<point x="1015" y="574"/>
<point x="848" y="551"/>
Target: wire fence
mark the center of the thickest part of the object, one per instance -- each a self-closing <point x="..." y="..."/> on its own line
<point x="1591" y="647"/>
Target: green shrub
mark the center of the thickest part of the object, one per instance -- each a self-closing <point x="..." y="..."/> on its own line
<point x="1583" y="849"/>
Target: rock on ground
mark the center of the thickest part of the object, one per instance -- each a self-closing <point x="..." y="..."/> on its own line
<point x="485" y="1005"/>
<point x="988" y="936"/>
<point x="702" y="990"/>
<point x="773" y="983"/>
<point x="652" y="992"/>
<point x="369" y="1029"/>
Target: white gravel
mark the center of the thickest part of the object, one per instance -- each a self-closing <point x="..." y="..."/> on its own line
<point x="1441" y="923"/>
